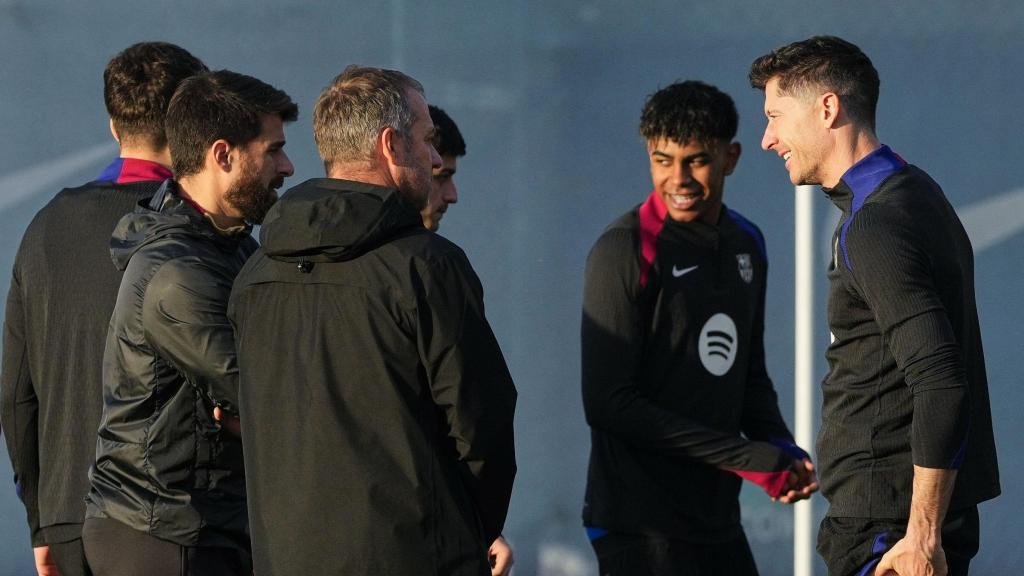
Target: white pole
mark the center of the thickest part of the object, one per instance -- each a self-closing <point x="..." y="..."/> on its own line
<point x="803" y="516"/>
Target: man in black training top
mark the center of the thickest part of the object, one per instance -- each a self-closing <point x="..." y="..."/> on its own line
<point x="906" y="447"/>
<point x="377" y="404"/>
<point x="168" y="486"/>
<point x="680" y="405"/>
<point x="62" y="293"/>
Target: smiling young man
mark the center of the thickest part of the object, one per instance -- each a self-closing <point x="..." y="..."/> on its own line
<point x="675" y="389"/>
<point x="168" y="487"/>
<point x="906" y="446"/>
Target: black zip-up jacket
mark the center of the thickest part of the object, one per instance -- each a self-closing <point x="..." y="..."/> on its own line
<point x="906" y="384"/>
<point x="62" y="292"/>
<point x="376" y="405"/>
<point x="163" y="464"/>
<point x="679" y="402"/>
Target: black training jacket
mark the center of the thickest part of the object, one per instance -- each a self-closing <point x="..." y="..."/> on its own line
<point x="163" y="465"/>
<point x="906" y="383"/>
<point x="376" y="405"/>
<point x="679" y="402"/>
<point x="62" y="292"/>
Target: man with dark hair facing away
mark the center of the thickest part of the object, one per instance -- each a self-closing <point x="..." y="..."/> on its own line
<point x="388" y="406"/>
<point x="168" y="485"/>
<point x="906" y="446"/>
<point x="450" y="146"/>
<point x="680" y="405"/>
<point x="62" y="293"/>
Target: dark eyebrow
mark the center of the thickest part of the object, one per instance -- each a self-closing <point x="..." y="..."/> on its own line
<point x="699" y="155"/>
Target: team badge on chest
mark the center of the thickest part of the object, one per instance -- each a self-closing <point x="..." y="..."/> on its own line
<point x="746" y="267"/>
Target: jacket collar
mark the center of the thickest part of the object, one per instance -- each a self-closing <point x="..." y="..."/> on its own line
<point x="864" y="177"/>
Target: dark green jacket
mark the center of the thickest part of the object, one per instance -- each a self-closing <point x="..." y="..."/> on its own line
<point x="163" y="465"/>
<point x="376" y="405"/>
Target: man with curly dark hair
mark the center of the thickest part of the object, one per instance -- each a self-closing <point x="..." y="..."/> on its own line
<point x="675" y="389"/>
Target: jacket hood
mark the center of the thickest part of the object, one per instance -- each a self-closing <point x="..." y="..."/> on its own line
<point x="154" y="218"/>
<point x="331" y="220"/>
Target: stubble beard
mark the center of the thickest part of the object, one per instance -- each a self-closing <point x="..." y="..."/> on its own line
<point x="250" y="197"/>
<point x="415" y="189"/>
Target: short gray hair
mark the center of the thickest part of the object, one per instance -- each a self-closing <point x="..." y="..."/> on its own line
<point x="356" y="107"/>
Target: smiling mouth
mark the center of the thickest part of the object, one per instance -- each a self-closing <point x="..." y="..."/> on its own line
<point x="683" y="201"/>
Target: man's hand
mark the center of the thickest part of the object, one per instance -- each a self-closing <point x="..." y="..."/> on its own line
<point x="920" y="552"/>
<point x="802" y="482"/>
<point x="45" y="564"/>
<point x="230" y="423"/>
<point x="500" y="557"/>
<point x="913" y="557"/>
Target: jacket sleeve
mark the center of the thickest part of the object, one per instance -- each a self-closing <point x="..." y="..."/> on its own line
<point x="470" y="382"/>
<point x="762" y="419"/>
<point x="19" y="409"/>
<point x="612" y="344"/>
<point x="184" y="316"/>
<point x="893" y="273"/>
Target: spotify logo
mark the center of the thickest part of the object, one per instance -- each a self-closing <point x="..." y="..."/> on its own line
<point x="718" y="344"/>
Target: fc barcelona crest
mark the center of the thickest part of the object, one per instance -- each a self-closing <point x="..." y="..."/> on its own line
<point x="746" y="268"/>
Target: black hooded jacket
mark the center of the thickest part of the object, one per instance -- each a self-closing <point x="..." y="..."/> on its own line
<point x="163" y="465"/>
<point x="376" y="405"/>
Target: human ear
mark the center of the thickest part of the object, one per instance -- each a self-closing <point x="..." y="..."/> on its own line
<point x="732" y="157"/>
<point x="220" y="154"/>
<point x="391" y="145"/>
<point x="830" y="107"/>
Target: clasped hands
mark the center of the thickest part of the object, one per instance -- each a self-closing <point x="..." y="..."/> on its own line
<point x="800" y="484"/>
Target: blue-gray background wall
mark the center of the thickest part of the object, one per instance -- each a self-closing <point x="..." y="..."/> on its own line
<point x="548" y="95"/>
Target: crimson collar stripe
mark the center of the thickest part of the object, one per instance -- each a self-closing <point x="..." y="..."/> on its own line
<point x="652" y="221"/>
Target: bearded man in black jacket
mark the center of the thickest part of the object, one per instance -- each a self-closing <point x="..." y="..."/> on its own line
<point x="52" y="367"/>
<point x="168" y="487"/>
<point x="377" y="405"/>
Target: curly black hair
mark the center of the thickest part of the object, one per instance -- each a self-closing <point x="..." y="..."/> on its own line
<point x="689" y="110"/>
<point x="138" y="84"/>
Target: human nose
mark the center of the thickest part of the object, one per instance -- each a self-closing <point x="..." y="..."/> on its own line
<point x="435" y="158"/>
<point x="682" y="175"/>
<point x="285" y="166"/>
<point x="451" y="194"/>
<point x="768" y="139"/>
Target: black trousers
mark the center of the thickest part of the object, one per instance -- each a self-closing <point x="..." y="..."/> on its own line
<point x="630" y="555"/>
<point x="114" y="549"/>
<point x="70" y="558"/>
<point x="853" y="546"/>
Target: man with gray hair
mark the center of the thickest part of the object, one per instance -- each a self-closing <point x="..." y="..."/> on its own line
<point x="388" y="407"/>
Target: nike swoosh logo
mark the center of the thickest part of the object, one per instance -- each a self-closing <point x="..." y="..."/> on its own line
<point x="677" y="272"/>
